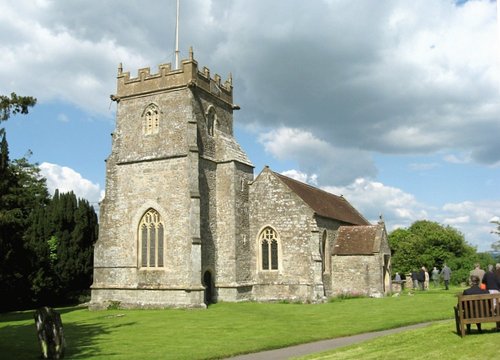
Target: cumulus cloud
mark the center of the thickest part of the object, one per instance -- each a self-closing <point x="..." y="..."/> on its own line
<point x="331" y="82"/>
<point x="69" y="66"/>
<point x="301" y="176"/>
<point x="328" y="163"/>
<point x="405" y="77"/>
<point x="400" y="209"/>
<point x="66" y="179"/>
<point x="374" y="199"/>
<point x="390" y="79"/>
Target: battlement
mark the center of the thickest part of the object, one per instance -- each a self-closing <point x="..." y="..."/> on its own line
<point x="167" y="78"/>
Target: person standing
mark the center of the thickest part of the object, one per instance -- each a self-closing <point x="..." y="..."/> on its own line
<point x="477" y="272"/>
<point x="426" y="282"/>
<point x="446" y="275"/>
<point x="435" y="276"/>
<point x="491" y="281"/>
<point x="421" y="278"/>
<point x="414" y="278"/>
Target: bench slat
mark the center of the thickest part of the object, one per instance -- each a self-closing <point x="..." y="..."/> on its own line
<point x="476" y="309"/>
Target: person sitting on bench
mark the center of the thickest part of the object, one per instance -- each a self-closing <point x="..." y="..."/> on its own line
<point x="474" y="290"/>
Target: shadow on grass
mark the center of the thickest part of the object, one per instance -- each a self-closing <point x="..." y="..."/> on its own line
<point x="83" y="340"/>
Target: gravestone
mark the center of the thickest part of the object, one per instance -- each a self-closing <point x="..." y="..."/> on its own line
<point x="50" y="334"/>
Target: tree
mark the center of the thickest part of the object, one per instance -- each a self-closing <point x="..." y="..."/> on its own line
<point x="15" y="104"/>
<point x="13" y="210"/>
<point x="46" y="244"/>
<point x="429" y="244"/>
<point x="22" y="190"/>
<point x="61" y="237"/>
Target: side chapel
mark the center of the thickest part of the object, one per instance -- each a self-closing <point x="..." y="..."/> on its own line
<point x="184" y="223"/>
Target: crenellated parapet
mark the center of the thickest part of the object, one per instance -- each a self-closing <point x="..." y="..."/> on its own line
<point x="168" y="79"/>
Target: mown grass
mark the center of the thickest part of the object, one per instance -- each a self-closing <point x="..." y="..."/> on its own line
<point x="438" y="341"/>
<point x="224" y="329"/>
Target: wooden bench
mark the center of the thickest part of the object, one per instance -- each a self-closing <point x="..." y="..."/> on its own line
<point x="477" y="309"/>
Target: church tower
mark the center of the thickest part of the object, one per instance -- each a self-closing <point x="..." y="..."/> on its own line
<point x="174" y="221"/>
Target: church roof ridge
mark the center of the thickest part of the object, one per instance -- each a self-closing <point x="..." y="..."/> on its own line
<point x="324" y="203"/>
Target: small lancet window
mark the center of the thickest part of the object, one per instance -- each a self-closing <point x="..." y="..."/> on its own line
<point x="269" y="252"/>
<point x="151" y="120"/>
<point x="151" y="240"/>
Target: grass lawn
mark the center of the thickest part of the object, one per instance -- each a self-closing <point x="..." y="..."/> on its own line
<point x="439" y="341"/>
<point x="227" y="329"/>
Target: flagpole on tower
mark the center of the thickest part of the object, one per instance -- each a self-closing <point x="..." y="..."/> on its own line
<point x="177" y="38"/>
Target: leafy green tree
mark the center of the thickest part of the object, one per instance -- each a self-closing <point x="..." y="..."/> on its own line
<point x="429" y="244"/>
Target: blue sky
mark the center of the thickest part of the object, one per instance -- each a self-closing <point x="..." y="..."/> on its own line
<point x="393" y="104"/>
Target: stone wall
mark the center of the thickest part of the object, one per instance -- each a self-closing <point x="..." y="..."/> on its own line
<point x="157" y="171"/>
<point x="357" y="275"/>
<point x="275" y="205"/>
<point x="327" y="230"/>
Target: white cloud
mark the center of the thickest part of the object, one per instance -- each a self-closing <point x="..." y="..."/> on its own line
<point x="390" y="79"/>
<point x="333" y="82"/>
<point x="400" y="209"/>
<point x="328" y="163"/>
<point x="301" y="176"/>
<point x="66" y="179"/>
<point x="373" y="199"/>
<point x="72" y="68"/>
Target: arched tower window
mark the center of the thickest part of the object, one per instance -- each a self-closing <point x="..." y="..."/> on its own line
<point x="211" y="116"/>
<point x="151" y="120"/>
<point x="269" y="249"/>
<point x="151" y="240"/>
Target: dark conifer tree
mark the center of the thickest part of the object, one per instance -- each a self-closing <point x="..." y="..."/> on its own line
<point x="62" y="236"/>
<point x="22" y="190"/>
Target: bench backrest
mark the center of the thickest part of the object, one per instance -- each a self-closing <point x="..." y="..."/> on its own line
<point x="477" y="307"/>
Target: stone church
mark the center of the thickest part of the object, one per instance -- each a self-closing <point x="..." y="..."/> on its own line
<point x="184" y="223"/>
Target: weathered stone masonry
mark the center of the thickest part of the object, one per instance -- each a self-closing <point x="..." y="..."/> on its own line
<point x="184" y="223"/>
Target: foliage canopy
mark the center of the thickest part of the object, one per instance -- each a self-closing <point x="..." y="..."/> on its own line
<point x="429" y="244"/>
<point x="46" y="243"/>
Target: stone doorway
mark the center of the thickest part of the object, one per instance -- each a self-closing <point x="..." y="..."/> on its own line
<point x="208" y="282"/>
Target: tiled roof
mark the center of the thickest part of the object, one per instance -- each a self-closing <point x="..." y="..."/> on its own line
<point x="358" y="240"/>
<point x="324" y="203"/>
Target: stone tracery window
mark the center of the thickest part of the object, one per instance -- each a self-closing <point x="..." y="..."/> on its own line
<point x="151" y="240"/>
<point x="151" y="120"/>
<point x="269" y="249"/>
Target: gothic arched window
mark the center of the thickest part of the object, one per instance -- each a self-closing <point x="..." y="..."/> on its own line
<point x="151" y="240"/>
<point x="269" y="249"/>
<point x="151" y="120"/>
